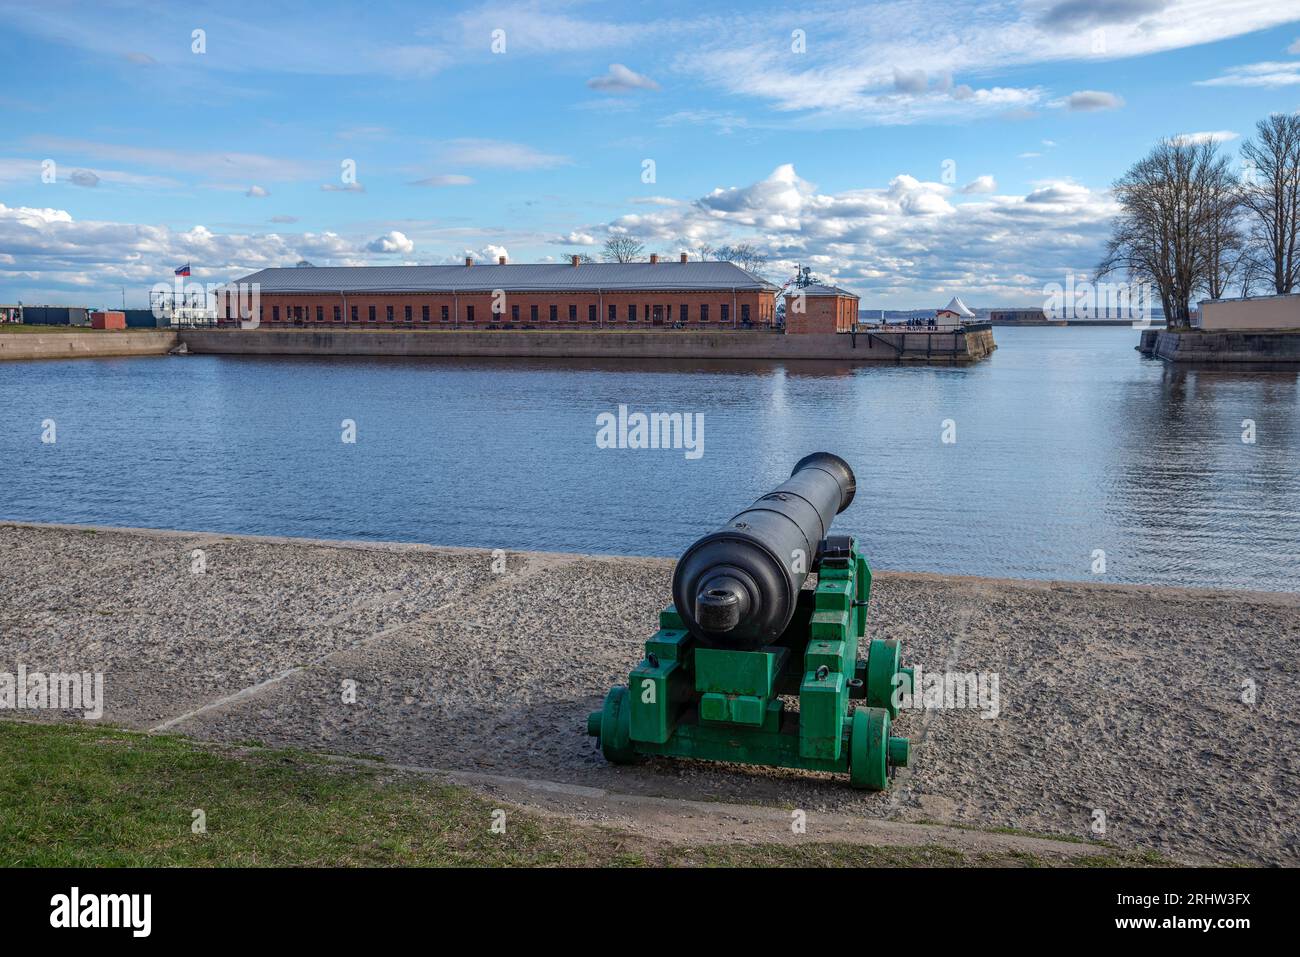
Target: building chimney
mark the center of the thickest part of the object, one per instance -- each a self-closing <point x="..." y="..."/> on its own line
<point x="683" y="257"/>
<point x="575" y="260"/>
<point x="654" y="258"/>
<point x="469" y="260"/>
<point x="501" y="260"/>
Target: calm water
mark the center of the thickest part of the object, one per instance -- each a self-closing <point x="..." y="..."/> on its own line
<point x="1067" y="441"/>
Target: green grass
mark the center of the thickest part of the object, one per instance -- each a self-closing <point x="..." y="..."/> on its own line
<point x="87" y="795"/>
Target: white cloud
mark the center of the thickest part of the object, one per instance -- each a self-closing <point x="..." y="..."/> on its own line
<point x="60" y="259"/>
<point x="257" y="192"/>
<point x="1080" y="14"/>
<point x="488" y="255"/>
<point x="500" y="154"/>
<point x="910" y="81"/>
<point x="1294" y="48"/>
<point x="1267" y="74"/>
<point x="981" y="184"/>
<point x="1207" y="136"/>
<point x="620" y="79"/>
<point x="898" y="244"/>
<point x="1089" y="101"/>
<point x="840" y="86"/>
<point x="392" y="242"/>
<point x="444" y="179"/>
<point x="216" y="164"/>
<point x="574" y="238"/>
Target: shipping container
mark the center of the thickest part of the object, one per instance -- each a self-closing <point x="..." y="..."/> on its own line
<point x="141" y="319"/>
<point x="107" y="320"/>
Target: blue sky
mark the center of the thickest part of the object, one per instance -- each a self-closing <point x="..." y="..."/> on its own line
<point x="911" y="151"/>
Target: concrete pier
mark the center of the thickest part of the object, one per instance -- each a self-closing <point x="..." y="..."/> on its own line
<point x="1238" y="348"/>
<point x="900" y="346"/>
<point x="88" y="344"/>
<point x="1119" y="699"/>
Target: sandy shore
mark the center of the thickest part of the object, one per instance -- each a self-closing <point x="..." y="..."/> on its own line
<point x="1119" y="699"/>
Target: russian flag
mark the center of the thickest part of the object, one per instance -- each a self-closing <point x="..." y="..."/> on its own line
<point x="183" y="270"/>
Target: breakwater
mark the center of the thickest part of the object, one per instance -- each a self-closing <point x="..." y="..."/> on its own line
<point x="905" y="346"/>
<point x="1264" y="348"/>
<point x="89" y="344"/>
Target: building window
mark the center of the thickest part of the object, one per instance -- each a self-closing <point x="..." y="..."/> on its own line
<point x="613" y="313"/>
<point x="686" y="313"/>
<point x="320" y="313"/>
<point x="407" y="313"/>
<point x="704" y="312"/>
<point x="555" y="313"/>
<point x="354" y="313"/>
<point x="372" y="313"/>
<point x="469" y="313"/>
<point x="744" y="312"/>
<point x="631" y="312"/>
<point x="275" y="313"/>
<point x="514" y="312"/>
<point x="532" y="313"/>
<point x="726" y="312"/>
<point x="338" y="313"/>
<point x="388" y="313"/>
<point x="424" y="313"/>
<point x="591" y="313"/>
<point x="444" y="314"/>
<point x="573" y="312"/>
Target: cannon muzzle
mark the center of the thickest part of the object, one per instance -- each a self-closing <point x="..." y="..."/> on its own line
<point x="737" y="587"/>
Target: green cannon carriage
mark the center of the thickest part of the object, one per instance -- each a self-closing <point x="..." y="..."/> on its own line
<point x="743" y="631"/>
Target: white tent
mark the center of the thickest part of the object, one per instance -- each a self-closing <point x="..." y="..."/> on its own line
<point x="959" y="307"/>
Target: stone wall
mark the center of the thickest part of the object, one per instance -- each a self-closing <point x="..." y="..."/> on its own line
<point x="1225" y="347"/>
<point x="71" y="345"/>
<point x="668" y="344"/>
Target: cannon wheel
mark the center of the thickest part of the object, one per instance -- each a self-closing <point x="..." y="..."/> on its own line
<point x="868" y="744"/>
<point x="884" y="658"/>
<point x="616" y="728"/>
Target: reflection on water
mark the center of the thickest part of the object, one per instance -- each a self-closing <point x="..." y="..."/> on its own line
<point x="1068" y="442"/>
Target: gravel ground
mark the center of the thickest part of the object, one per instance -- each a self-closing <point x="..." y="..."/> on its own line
<point x="1114" y="699"/>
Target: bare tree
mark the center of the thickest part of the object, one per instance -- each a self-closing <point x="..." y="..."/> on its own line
<point x="745" y="255"/>
<point x="1170" y="203"/>
<point x="1272" y="197"/>
<point x="622" y="249"/>
<point x="1222" y="239"/>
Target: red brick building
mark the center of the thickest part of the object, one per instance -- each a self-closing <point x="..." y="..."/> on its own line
<point x="819" y="308"/>
<point x="681" y="294"/>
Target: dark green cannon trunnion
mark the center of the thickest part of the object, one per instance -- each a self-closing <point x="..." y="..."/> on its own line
<point x="710" y="683"/>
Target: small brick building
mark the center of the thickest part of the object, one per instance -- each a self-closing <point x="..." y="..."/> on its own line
<point x="819" y="308"/>
<point x="680" y="294"/>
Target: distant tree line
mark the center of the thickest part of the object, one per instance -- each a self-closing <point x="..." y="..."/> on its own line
<point x="622" y="248"/>
<point x="1191" y="227"/>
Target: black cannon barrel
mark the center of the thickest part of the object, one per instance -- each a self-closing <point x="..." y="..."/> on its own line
<point x="736" y="587"/>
